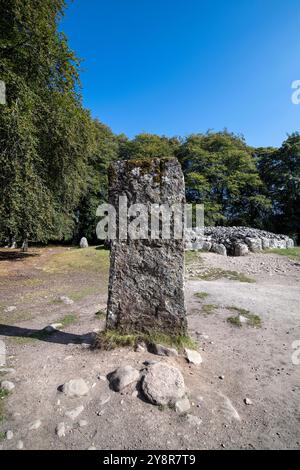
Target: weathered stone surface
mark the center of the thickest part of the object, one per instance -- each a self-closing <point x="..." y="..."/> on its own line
<point x="122" y="377"/>
<point x="146" y="276"/>
<point x="183" y="405"/>
<point x="234" y="239"/>
<point x="83" y="243"/>
<point x="73" y="414"/>
<point x="219" y="248"/>
<point x="241" y="249"/>
<point x="161" y="350"/>
<point x="75" y="388"/>
<point x="163" y="384"/>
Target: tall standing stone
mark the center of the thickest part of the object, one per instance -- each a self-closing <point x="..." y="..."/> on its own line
<point x="146" y="285"/>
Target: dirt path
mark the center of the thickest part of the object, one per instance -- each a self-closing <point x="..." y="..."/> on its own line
<point x="238" y="363"/>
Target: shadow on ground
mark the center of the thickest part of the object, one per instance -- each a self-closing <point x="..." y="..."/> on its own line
<point x="58" y="337"/>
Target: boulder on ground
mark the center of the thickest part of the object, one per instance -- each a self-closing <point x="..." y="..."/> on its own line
<point x="75" y="388"/>
<point x="219" y="248"/>
<point x="122" y="377"/>
<point x="161" y="350"/>
<point x="241" y="249"/>
<point x="163" y="384"/>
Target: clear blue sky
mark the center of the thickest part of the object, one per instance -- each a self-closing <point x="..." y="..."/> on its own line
<point x="176" y="67"/>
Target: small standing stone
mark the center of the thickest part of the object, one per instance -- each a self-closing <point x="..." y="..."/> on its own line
<point x="9" y="435"/>
<point x="83" y="243"/>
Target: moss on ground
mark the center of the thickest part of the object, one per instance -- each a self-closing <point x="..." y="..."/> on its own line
<point x="214" y="274"/>
<point x="253" y="320"/>
<point x="201" y="295"/>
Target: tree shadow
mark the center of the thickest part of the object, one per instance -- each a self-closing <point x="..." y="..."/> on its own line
<point x="56" y="336"/>
<point x="10" y="255"/>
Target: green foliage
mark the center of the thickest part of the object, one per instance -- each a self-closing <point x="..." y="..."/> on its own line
<point x="280" y="170"/>
<point x="149" y="146"/>
<point x="220" y="172"/>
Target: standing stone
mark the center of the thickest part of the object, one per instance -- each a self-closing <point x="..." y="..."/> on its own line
<point x="147" y="275"/>
<point x="83" y="243"/>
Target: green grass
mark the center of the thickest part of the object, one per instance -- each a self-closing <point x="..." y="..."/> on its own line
<point x="208" y="309"/>
<point x="112" y="339"/>
<point x="201" y="295"/>
<point x="253" y="320"/>
<point x="214" y="274"/>
<point x="293" y="253"/>
<point x="3" y="394"/>
<point x="67" y="320"/>
<point x="77" y="259"/>
<point x="192" y="257"/>
<point x="2" y="436"/>
<point x="80" y="294"/>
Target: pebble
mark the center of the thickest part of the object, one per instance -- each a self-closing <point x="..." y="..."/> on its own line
<point x="82" y="423"/>
<point x="248" y="401"/>
<point x="6" y="385"/>
<point x="35" y="425"/>
<point x="60" y="430"/>
<point x="73" y="414"/>
<point x="75" y="388"/>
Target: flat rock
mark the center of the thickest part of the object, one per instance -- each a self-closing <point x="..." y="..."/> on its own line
<point x="161" y="350"/>
<point x="82" y="423"/>
<point x="10" y="309"/>
<point x="122" y="377"/>
<point x="193" y="356"/>
<point x="73" y="414"/>
<point x="75" y="388"/>
<point x="163" y="384"/>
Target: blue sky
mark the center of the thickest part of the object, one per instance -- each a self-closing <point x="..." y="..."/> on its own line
<point x="177" y="67"/>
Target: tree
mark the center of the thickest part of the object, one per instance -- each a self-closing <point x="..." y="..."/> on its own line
<point x="221" y="173"/>
<point x="149" y="146"/>
<point x="45" y="134"/>
<point x="280" y="170"/>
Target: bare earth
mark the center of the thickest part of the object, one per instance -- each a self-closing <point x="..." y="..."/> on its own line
<point x="238" y="363"/>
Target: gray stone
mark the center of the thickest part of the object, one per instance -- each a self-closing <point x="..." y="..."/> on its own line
<point x="9" y="435"/>
<point x="254" y="244"/>
<point x="65" y="300"/>
<point x="73" y="414"/>
<point x="183" y="405"/>
<point x="75" y="388"/>
<point x="82" y="423"/>
<point x="265" y="243"/>
<point x="20" y="445"/>
<point x="241" y="249"/>
<point x="83" y="243"/>
<point x="60" y="430"/>
<point x="161" y="350"/>
<point x="35" y="425"/>
<point x="219" y="248"/>
<point x="7" y="385"/>
<point x="206" y="246"/>
<point x="146" y="275"/>
<point x="163" y="384"/>
<point x="248" y="401"/>
<point x="122" y="377"/>
<point x="193" y="356"/>
<point x="10" y="309"/>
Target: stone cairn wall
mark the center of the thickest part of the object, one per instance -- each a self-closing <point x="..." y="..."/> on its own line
<point x="147" y="276"/>
<point x="234" y="241"/>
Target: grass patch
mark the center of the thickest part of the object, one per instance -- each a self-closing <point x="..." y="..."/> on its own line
<point x="293" y="253"/>
<point x="2" y="436"/>
<point x="253" y="320"/>
<point x="3" y="394"/>
<point x="214" y="274"/>
<point x="112" y="339"/>
<point x="67" y="320"/>
<point x="80" y="294"/>
<point x="208" y="309"/>
<point x="192" y="257"/>
<point x="77" y="259"/>
<point x="201" y="295"/>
